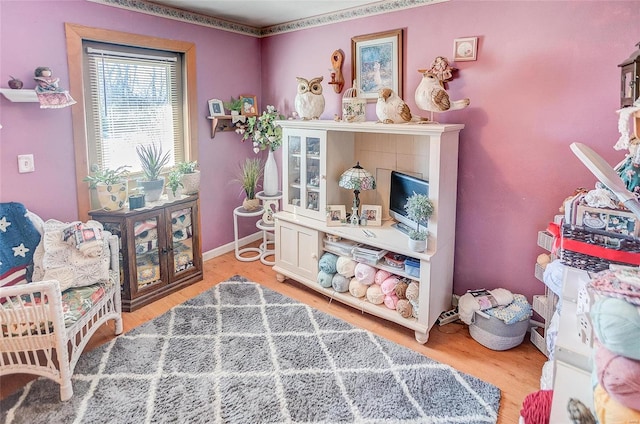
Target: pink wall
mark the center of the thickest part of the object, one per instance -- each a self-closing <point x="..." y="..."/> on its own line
<point x="227" y="64"/>
<point x="546" y="76"/>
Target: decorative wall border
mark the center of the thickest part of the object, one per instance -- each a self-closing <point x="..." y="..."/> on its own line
<point x="168" y="12"/>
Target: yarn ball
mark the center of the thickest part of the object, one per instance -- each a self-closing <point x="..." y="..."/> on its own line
<point x="324" y="279"/>
<point x="381" y="275"/>
<point x="346" y="266"/>
<point x="340" y="283"/>
<point x="610" y="411"/>
<point x="416" y="308"/>
<point x="619" y="376"/>
<point x="401" y="289"/>
<point x="357" y="289"/>
<point x="391" y="301"/>
<point x="388" y="286"/>
<point x="413" y="291"/>
<point x="468" y="304"/>
<point x="536" y="407"/>
<point x="375" y="295"/>
<point x="617" y="326"/>
<point x="404" y="308"/>
<point x="365" y="273"/>
<point x="327" y="263"/>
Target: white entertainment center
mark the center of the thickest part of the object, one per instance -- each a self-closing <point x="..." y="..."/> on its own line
<point x="315" y="153"/>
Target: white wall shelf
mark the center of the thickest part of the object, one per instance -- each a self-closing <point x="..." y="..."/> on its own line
<point x="20" y="96"/>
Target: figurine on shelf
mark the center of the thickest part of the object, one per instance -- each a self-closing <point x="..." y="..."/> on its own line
<point x="49" y="94"/>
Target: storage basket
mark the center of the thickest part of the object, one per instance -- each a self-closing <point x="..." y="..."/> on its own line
<point x="353" y="107"/>
<point x="590" y="251"/>
<point x="495" y="334"/>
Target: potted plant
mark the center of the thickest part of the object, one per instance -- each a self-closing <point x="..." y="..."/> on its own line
<point x="174" y="182"/>
<point x="265" y="134"/>
<point x="111" y="186"/>
<point x="248" y="175"/>
<point x="152" y="161"/>
<point x="190" y="177"/>
<point x="419" y="209"/>
<point x="233" y="105"/>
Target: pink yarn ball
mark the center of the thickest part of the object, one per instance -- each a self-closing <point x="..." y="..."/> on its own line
<point x="389" y="285"/>
<point x="391" y="301"/>
<point x="381" y="275"/>
<point x="619" y="376"/>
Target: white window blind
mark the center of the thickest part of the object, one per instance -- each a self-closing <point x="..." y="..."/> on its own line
<point x="134" y="98"/>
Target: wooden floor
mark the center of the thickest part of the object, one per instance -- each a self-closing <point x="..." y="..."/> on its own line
<point x="516" y="372"/>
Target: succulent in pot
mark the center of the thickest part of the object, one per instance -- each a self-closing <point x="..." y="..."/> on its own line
<point x="174" y="183"/>
<point x="190" y="176"/>
<point x="152" y="161"/>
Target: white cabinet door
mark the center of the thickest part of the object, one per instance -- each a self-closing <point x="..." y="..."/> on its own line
<point x="297" y="249"/>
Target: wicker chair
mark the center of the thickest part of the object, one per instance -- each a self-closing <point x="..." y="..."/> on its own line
<point x="34" y="338"/>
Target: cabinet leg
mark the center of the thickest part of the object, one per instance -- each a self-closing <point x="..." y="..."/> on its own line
<point x="280" y="277"/>
<point x="422" y="338"/>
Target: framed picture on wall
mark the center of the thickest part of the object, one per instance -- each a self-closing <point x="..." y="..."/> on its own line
<point x="249" y="105"/>
<point x="372" y="214"/>
<point x="376" y="62"/>
<point x="216" y="107"/>
<point x="336" y="215"/>
<point x="465" y="49"/>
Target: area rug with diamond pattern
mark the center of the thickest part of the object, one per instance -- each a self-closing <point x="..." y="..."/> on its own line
<point x="241" y="353"/>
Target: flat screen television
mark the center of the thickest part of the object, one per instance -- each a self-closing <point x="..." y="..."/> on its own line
<point x="403" y="186"/>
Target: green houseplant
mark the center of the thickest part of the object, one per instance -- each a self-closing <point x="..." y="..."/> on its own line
<point x="190" y="176"/>
<point x="248" y="175"/>
<point x="419" y="209"/>
<point x="110" y="185"/>
<point x="152" y="161"/>
<point x="174" y="182"/>
<point x="233" y="105"/>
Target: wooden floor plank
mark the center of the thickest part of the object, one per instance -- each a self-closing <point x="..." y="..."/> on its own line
<point x="516" y="371"/>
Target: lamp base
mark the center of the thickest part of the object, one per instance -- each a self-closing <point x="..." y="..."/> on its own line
<point x="355" y="220"/>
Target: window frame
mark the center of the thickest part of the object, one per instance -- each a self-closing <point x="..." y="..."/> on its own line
<point x="75" y="34"/>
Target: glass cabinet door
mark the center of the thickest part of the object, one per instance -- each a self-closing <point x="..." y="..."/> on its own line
<point x="181" y="240"/>
<point x="146" y="236"/>
<point x="304" y="178"/>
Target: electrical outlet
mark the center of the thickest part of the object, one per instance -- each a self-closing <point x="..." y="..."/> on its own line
<point x="448" y="316"/>
<point x="25" y="163"/>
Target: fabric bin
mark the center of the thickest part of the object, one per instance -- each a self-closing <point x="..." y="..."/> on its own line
<point x="495" y="334"/>
<point x="412" y="267"/>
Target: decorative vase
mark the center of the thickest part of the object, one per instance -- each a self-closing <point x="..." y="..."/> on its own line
<point x="112" y="197"/>
<point x="417" y="245"/>
<point x="251" y="204"/>
<point x="152" y="189"/>
<point x="191" y="183"/>
<point x="270" y="181"/>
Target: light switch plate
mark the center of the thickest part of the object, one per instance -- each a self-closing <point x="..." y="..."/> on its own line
<point x="25" y="164"/>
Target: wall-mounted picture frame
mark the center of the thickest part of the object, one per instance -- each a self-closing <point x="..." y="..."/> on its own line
<point x="376" y="62"/>
<point x="465" y="49"/>
<point x="216" y="108"/>
<point x="249" y="105"/>
<point x="372" y="214"/>
<point x="336" y="215"/>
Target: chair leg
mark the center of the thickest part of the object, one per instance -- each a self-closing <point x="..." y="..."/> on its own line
<point x="119" y="326"/>
<point x="66" y="390"/>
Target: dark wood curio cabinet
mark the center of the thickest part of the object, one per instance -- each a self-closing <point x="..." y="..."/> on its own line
<point x="160" y="248"/>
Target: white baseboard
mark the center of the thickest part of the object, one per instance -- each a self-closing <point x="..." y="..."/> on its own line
<point x="229" y="247"/>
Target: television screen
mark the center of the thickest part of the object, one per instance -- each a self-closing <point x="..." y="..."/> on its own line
<point x="403" y="186"/>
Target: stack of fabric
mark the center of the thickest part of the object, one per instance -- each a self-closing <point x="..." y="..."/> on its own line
<point x="615" y="317"/>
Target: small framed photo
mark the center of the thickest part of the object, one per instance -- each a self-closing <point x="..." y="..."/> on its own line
<point x="249" y="105"/>
<point x="465" y="49"/>
<point x="336" y="215"/>
<point x="216" y="108"/>
<point x="372" y="214"/>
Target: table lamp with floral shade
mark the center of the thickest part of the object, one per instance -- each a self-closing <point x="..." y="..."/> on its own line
<point x="357" y="179"/>
<point x="265" y="134"/>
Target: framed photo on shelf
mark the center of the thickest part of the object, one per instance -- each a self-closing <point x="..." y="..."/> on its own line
<point x="216" y="108"/>
<point x="336" y="215"/>
<point x="249" y="105"/>
<point x="372" y="214"/>
<point x="376" y="62"/>
<point x="465" y="49"/>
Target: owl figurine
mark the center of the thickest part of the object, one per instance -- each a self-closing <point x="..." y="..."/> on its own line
<point x="391" y="109"/>
<point x="432" y="97"/>
<point x="309" y="102"/>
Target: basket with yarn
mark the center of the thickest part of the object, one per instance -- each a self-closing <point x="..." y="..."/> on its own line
<point x="353" y="106"/>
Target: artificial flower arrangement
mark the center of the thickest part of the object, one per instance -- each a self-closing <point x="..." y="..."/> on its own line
<point x="262" y="129"/>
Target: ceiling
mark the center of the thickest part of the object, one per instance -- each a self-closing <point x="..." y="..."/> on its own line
<point x="264" y="13"/>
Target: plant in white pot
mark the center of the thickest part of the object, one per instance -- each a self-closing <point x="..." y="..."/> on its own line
<point x="111" y="186"/>
<point x="190" y="177"/>
<point x="174" y="184"/>
<point x="248" y="176"/>
<point x="419" y="209"/>
<point x="152" y="161"/>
